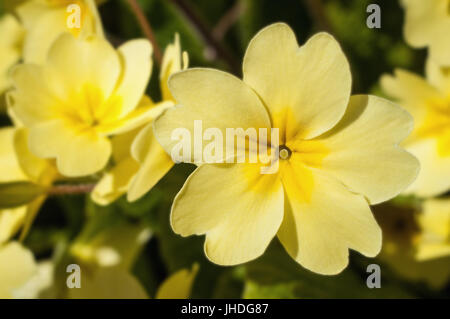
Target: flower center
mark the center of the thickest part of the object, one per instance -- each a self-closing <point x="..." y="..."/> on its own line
<point x="284" y="152"/>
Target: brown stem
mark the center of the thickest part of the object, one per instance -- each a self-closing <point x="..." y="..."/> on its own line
<point x="70" y="189"/>
<point x="210" y="40"/>
<point x="146" y="28"/>
<point x="316" y="11"/>
<point x="228" y="20"/>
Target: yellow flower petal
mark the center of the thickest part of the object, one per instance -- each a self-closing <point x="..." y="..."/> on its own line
<point x="235" y="105"/>
<point x="434" y="222"/>
<point x="427" y="103"/>
<point x="434" y="177"/>
<point x="34" y="86"/>
<point x="310" y="85"/>
<point x="76" y="153"/>
<point x="427" y="23"/>
<point x="137" y="66"/>
<point x="154" y="163"/>
<point x="145" y="112"/>
<point x="10" y="169"/>
<point x="437" y="75"/>
<point x="408" y="87"/>
<point x="364" y="152"/>
<point x="108" y="283"/>
<point x="239" y="210"/>
<point x="178" y="285"/>
<point x="78" y="62"/>
<point x="11" y="34"/>
<point x="171" y="63"/>
<point x="17" y="266"/>
<point x="116" y="181"/>
<point x="318" y="232"/>
<point x="10" y="222"/>
<point x="45" y="23"/>
<point x="33" y="166"/>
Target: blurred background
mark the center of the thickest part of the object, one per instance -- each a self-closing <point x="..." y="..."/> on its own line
<point x="216" y="34"/>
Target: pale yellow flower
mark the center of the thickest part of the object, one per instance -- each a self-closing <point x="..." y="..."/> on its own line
<point x="84" y="93"/>
<point x="117" y="283"/>
<point x="414" y="242"/>
<point x="140" y="162"/>
<point x="46" y="20"/>
<point x="428" y="100"/>
<point x="17" y="266"/>
<point x="106" y="260"/>
<point x="343" y="155"/>
<point x="427" y="24"/>
<point x="108" y="283"/>
<point x="11" y="36"/>
<point x="18" y="164"/>
<point x="434" y="223"/>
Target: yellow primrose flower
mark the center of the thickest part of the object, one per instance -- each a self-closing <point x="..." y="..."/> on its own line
<point x="17" y="266"/>
<point x="18" y="164"/>
<point x="84" y="93"/>
<point x="428" y="100"/>
<point x="427" y="23"/>
<point x="11" y="35"/>
<point x="46" y="20"/>
<point x="117" y="283"/>
<point x="434" y="241"/>
<point x="106" y="260"/>
<point x="410" y="236"/>
<point x="140" y="162"/>
<point x="337" y="154"/>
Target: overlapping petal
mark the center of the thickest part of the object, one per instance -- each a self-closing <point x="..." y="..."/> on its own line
<point x="77" y="152"/>
<point x="307" y="88"/>
<point x="218" y="99"/>
<point x="17" y="265"/>
<point x="154" y="163"/>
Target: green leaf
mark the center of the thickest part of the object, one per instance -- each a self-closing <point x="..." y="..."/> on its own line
<point x="19" y="193"/>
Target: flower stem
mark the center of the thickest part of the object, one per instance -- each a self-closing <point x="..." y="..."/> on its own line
<point x="146" y="28"/>
<point x="228" y="20"/>
<point x="317" y="13"/>
<point x="70" y="189"/>
<point x="213" y="45"/>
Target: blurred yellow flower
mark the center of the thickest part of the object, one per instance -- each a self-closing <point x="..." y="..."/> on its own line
<point x="434" y="222"/>
<point x="414" y="243"/>
<point x="46" y="20"/>
<point x="117" y="283"/>
<point x="427" y="23"/>
<point x="106" y="261"/>
<point x="108" y="283"/>
<point x="84" y="93"/>
<point x="11" y="37"/>
<point x="140" y="162"/>
<point x="18" y="164"/>
<point x="17" y="266"/>
<point x="340" y="155"/>
<point x="178" y="285"/>
<point x="428" y="100"/>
